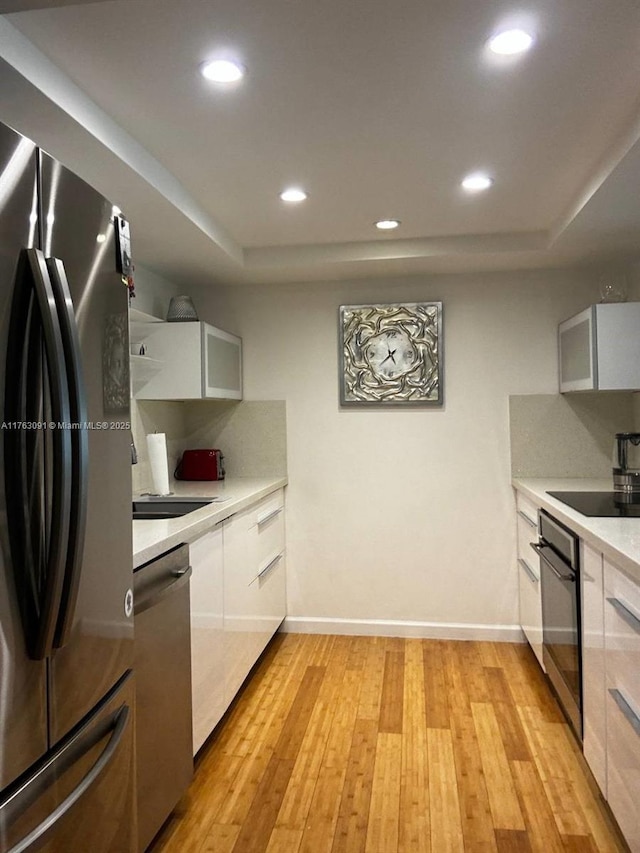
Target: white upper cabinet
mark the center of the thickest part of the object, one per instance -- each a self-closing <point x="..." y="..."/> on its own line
<point x="599" y="349"/>
<point x="199" y="362"/>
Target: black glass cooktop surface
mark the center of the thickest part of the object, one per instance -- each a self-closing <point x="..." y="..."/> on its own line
<point x="601" y="504"/>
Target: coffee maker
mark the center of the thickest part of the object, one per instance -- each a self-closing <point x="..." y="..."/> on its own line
<point x="626" y="464"/>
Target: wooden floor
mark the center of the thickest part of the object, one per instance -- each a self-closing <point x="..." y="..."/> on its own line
<point x="389" y="746"/>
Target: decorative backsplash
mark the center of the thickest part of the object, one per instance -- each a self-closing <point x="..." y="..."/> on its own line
<point x="562" y="435"/>
<point x="251" y="434"/>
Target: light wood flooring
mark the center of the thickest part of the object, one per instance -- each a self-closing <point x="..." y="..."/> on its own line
<point x="378" y="745"/>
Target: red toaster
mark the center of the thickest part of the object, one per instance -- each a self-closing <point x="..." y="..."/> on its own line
<point x="200" y="465"/>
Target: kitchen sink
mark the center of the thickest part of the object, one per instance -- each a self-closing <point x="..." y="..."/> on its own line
<point x="150" y="508"/>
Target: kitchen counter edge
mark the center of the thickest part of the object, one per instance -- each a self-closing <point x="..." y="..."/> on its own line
<point x="153" y="538"/>
<point x="617" y="538"/>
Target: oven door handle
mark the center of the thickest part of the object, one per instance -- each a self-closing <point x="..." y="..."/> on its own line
<point x="539" y="551"/>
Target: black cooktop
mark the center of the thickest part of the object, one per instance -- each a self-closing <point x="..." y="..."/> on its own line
<point x="601" y="504"/>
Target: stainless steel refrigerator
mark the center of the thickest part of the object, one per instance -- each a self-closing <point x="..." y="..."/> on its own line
<point x="66" y="609"/>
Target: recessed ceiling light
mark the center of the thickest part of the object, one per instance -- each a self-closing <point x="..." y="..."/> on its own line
<point x="293" y="194"/>
<point x="222" y="71"/>
<point x="477" y="182"/>
<point x="387" y="224"/>
<point x="510" y="42"/>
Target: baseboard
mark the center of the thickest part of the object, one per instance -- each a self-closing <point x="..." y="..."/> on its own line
<point x="391" y="628"/>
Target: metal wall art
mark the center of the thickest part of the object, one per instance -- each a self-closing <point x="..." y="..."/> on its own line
<point x="116" y="382"/>
<point x="391" y="353"/>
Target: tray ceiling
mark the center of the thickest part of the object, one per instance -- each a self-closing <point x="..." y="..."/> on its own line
<point x="378" y="110"/>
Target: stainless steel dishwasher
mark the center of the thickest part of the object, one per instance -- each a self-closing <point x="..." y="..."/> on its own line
<point x="163" y="688"/>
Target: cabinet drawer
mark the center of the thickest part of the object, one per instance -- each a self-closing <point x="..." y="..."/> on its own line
<point x="260" y="536"/>
<point x="623" y="765"/>
<point x="268" y="508"/>
<point x="252" y="614"/>
<point x="622" y="633"/>
<point x="527" y="525"/>
<point x="260" y="513"/>
<point x="268" y="602"/>
<point x="527" y="512"/>
<point x="531" y="604"/>
<point x="267" y="541"/>
<point x="526" y="535"/>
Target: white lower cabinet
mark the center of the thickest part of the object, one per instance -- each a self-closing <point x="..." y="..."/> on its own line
<point x="594" y="719"/>
<point x="207" y="622"/>
<point x="238" y="601"/>
<point x="254" y="593"/>
<point x="610" y="624"/>
<point x="622" y="661"/>
<point x="530" y="597"/>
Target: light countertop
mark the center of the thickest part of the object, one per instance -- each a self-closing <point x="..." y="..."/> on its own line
<point x="152" y="538"/>
<point x="617" y="538"/>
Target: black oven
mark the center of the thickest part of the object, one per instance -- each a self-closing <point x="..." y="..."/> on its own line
<point x="558" y="549"/>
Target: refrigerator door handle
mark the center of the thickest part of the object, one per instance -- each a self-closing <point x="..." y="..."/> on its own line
<point x="34" y="308"/>
<point x="50" y="773"/>
<point x="25" y="525"/>
<point x="79" y="447"/>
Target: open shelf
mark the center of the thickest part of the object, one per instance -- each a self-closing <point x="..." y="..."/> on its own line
<point x="140" y="325"/>
<point x="136" y="316"/>
<point x="142" y="369"/>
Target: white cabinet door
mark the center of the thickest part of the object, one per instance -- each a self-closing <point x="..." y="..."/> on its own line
<point x="237" y="605"/>
<point x="254" y="588"/>
<point x="622" y="656"/>
<point x="221" y="364"/>
<point x="267" y="599"/>
<point x="594" y="720"/>
<point x="207" y="640"/>
<point x="530" y="606"/>
<point x="599" y="348"/>
<point x="530" y="597"/>
<point x="238" y="600"/>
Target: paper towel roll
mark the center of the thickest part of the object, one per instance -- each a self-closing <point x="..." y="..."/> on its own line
<point x="157" y="447"/>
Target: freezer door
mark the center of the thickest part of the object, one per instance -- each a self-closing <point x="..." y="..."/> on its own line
<point x="23" y="723"/>
<point x="94" y="635"/>
<point x="81" y="797"/>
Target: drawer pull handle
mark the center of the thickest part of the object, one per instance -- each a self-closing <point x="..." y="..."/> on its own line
<point x="622" y="703"/>
<point x="271" y="514"/>
<point x="533" y="577"/>
<point x="625" y="611"/>
<point x="180" y="578"/>
<point x="270" y="566"/>
<point x="529" y="521"/>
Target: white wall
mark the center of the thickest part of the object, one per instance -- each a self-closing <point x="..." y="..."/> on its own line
<point x="402" y="515"/>
<point x="153" y="292"/>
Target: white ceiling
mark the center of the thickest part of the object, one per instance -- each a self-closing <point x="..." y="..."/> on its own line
<point x="378" y="109"/>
